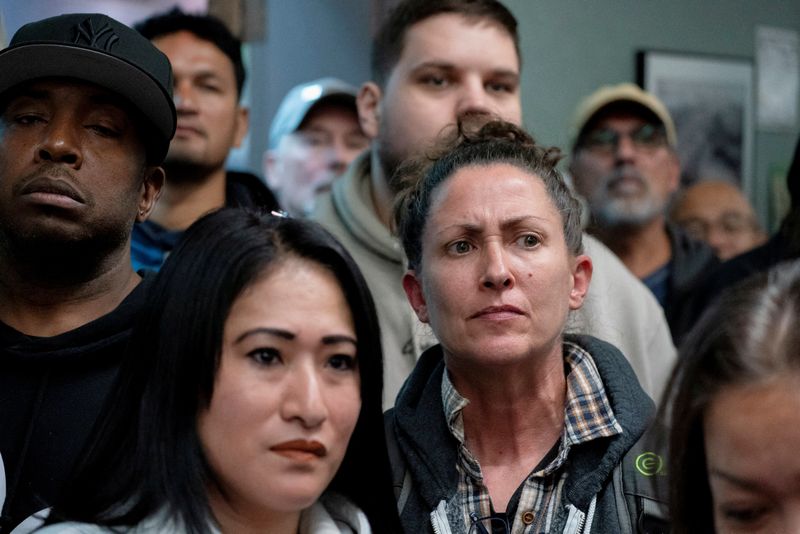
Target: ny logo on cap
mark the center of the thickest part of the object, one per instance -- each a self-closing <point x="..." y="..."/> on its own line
<point x="85" y="32"/>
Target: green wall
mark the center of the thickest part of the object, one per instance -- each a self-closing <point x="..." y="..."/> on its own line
<point x="571" y="47"/>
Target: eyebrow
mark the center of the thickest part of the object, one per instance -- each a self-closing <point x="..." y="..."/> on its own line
<point x="504" y="225"/>
<point x="99" y="98"/>
<point x="332" y="339"/>
<point x="338" y="338"/>
<point x="746" y="484"/>
<point x="204" y="73"/>
<point x="110" y="99"/>
<point x="730" y="214"/>
<point x="443" y="65"/>
<point x="28" y="92"/>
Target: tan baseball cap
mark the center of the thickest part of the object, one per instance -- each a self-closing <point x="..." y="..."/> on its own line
<point x="624" y="92"/>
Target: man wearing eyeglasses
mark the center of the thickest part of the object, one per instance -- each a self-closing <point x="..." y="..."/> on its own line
<point x="625" y="165"/>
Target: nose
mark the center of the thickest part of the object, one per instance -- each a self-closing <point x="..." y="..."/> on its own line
<point x="718" y="240"/>
<point x="183" y="97"/>
<point x="61" y="144"/>
<point x="625" y="149"/>
<point x="496" y="274"/>
<point x="303" y="400"/>
<point x="338" y="157"/>
<point x="473" y="98"/>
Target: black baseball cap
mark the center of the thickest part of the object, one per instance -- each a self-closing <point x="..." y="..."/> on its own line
<point x="96" y="48"/>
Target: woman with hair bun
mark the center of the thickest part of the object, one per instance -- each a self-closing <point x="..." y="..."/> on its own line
<point x="509" y="424"/>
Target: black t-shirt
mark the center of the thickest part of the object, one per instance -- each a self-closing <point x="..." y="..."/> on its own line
<point x="51" y="393"/>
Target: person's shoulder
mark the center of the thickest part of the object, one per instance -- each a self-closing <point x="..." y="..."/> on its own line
<point x="615" y="371"/>
<point x="78" y="528"/>
<point x="690" y="251"/>
<point x="246" y="190"/>
<point x="609" y="268"/>
<point x="734" y="271"/>
<point x="334" y="513"/>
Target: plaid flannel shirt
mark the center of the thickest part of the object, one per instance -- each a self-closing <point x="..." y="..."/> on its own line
<point x="587" y="416"/>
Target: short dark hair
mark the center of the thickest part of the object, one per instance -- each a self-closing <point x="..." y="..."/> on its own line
<point x="494" y="142"/>
<point x="389" y="42"/>
<point x="147" y="453"/>
<point x="206" y="27"/>
<point x="749" y="335"/>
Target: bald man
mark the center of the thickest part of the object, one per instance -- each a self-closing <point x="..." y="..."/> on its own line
<point x="717" y="212"/>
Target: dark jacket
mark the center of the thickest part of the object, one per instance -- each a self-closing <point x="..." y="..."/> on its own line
<point x="781" y="247"/>
<point x="691" y="263"/>
<point x="429" y="452"/>
<point x="51" y="392"/>
<point x="151" y="242"/>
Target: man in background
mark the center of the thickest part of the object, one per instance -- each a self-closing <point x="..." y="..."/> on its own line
<point x="208" y="80"/>
<point x="314" y="136"/>
<point x="433" y="63"/>
<point x="625" y="165"/>
<point x="782" y="246"/>
<point x="87" y="116"/>
<point x="716" y="212"/>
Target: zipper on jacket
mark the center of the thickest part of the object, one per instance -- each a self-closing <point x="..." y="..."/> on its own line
<point x="581" y="522"/>
<point x="439" y="521"/>
<point x="587" y="517"/>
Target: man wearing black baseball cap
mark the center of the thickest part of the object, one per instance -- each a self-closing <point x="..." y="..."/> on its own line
<point x="86" y="117"/>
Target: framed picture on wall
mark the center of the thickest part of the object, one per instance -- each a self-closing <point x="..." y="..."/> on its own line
<point x="710" y="99"/>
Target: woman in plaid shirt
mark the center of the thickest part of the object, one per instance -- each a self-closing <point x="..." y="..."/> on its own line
<point x="508" y="425"/>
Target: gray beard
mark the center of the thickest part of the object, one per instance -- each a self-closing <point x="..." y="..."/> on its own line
<point x="615" y="212"/>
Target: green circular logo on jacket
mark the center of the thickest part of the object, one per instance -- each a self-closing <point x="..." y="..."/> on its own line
<point x="649" y="464"/>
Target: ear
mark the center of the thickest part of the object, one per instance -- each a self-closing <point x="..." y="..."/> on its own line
<point x="674" y="171"/>
<point x="242" y="125"/>
<point x="581" y="276"/>
<point x="368" y="103"/>
<point x="150" y="191"/>
<point x="413" y="289"/>
<point x="270" y="163"/>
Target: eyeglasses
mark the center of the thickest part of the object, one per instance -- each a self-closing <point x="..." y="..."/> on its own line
<point x="606" y="140"/>
<point x="729" y="224"/>
<point x="488" y="525"/>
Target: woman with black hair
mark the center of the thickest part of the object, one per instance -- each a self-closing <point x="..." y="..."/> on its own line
<point x="252" y="402"/>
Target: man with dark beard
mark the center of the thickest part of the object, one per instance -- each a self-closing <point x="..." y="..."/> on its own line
<point x="435" y="62"/>
<point x="625" y="165"/>
<point x="86" y="119"/>
<point x="208" y="79"/>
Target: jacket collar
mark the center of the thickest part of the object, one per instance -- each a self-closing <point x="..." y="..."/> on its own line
<point x="431" y="452"/>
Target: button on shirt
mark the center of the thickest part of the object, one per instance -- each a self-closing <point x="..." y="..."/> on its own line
<point x="587" y="416"/>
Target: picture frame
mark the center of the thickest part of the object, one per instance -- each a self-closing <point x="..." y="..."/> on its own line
<point x="711" y="100"/>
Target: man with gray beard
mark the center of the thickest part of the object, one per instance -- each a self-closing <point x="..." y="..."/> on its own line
<point x="625" y="165"/>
